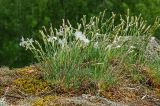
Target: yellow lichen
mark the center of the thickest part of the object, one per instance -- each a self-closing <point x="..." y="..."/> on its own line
<point x="46" y="101"/>
<point x="28" y="72"/>
<point x="25" y="69"/>
<point x="102" y="86"/>
<point x="30" y="85"/>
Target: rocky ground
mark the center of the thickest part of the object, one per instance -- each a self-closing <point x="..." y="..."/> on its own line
<point x="26" y="87"/>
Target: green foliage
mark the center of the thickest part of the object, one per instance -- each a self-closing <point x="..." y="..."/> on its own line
<point x="70" y="56"/>
<point x="24" y="18"/>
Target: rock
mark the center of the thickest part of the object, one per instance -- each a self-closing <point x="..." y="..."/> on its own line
<point x="82" y="100"/>
<point x="89" y="100"/>
<point x="153" y="49"/>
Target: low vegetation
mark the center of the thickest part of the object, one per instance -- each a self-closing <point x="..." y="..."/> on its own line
<point x="71" y="56"/>
<point x="91" y="59"/>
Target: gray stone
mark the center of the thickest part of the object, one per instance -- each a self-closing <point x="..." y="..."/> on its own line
<point x="153" y="49"/>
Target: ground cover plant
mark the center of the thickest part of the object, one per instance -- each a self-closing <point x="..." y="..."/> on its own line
<point x="91" y="56"/>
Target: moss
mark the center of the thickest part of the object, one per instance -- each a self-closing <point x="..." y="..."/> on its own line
<point x="31" y="85"/>
<point x="103" y="86"/>
<point x="46" y="101"/>
<point x="30" y="81"/>
<point x="29" y="72"/>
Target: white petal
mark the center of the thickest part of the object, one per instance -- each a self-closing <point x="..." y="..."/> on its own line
<point x="22" y="39"/>
<point x="78" y="33"/>
<point x="86" y="40"/>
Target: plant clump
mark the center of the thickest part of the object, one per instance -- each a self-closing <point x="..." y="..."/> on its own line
<point x="71" y="55"/>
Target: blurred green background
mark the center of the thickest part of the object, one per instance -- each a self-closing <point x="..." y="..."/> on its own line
<point x="25" y="17"/>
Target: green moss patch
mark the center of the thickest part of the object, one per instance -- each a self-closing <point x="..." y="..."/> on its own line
<point x="31" y="86"/>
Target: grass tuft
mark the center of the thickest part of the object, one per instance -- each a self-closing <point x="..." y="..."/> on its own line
<point x="92" y="52"/>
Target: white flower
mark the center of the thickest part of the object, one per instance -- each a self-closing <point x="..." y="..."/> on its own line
<point x="22" y="39"/>
<point x="62" y="42"/>
<point x="26" y="43"/>
<point x="81" y="37"/>
<point x="86" y="41"/>
<point x="30" y="40"/>
<point x="52" y="38"/>
<point x="23" y="42"/>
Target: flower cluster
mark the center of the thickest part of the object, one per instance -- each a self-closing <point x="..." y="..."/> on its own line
<point x="52" y="38"/>
<point x="26" y="43"/>
<point x="62" y="42"/>
<point x="80" y="36"/>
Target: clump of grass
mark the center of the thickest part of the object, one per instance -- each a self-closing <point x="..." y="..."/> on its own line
<point x="69" y="56"/>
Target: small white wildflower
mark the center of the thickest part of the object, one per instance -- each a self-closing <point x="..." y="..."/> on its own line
<point x="62" y="42"/>
<point x="79" y="35"/>
<point x="22" y="39"/>
<point x="86" y="41"/>
<point x="23" y="42"/>
<point x="26" y="43"/>
<point x="30" y="41"/>
<point x="52" y="38"/>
